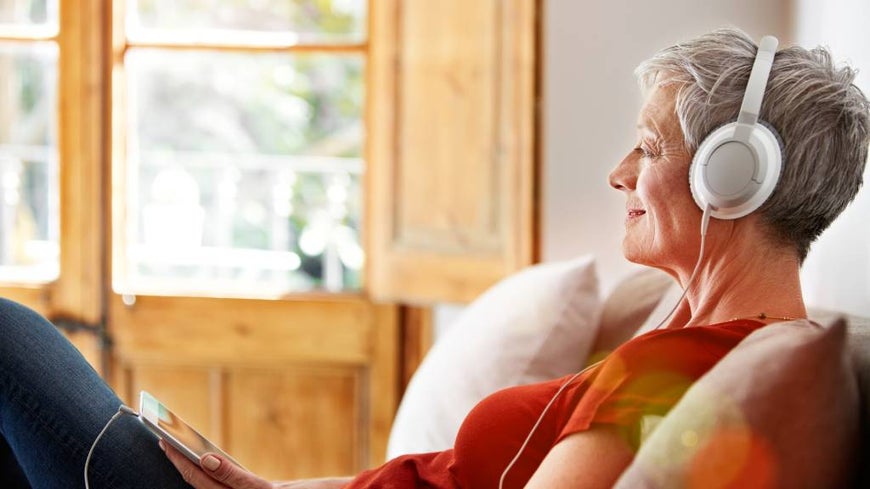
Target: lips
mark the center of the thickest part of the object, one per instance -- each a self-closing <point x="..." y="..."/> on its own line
<point x="636" y="212"/>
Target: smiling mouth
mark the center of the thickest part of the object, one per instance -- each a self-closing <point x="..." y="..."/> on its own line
<point x="635" y="213"/>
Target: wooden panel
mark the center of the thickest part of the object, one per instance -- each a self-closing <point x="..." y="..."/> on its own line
<point x="290" y="388"/>
<point x="232" y="331"/>
<point x="287" y="424"/>
<point x="447" y="111"/>
<point x="452" y="155"/>
<point x="417" y="334"/>
<point x="425" y="277"/>
<point x="78" y="292"/>
<point x="381" y="391"/>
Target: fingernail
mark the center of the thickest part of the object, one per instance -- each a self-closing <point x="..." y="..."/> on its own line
<point x="211" y="462"/>
<point x="162" y="446"/>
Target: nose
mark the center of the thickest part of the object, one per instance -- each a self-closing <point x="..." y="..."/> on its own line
<point x="624" y="176"/>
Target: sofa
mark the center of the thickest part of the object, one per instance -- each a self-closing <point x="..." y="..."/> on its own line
<point x="644" y="297"/>
<point x="788" y="407"/>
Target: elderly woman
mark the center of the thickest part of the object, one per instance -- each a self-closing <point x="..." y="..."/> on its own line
<point x="581" y="430"/>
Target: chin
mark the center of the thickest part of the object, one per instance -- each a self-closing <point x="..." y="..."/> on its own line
<point x="639" y="254"/>
<point x="633" y="254"/>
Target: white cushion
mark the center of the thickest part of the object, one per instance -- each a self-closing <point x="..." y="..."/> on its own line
<point x="535" y="325"/>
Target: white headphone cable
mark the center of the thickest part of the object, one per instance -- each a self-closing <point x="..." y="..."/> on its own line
<point x="121" y="410"/>
<point x="705" y="220"/>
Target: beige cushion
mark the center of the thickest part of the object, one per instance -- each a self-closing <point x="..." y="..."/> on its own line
<point x="780" y="410"/>
<point x="535" y="325"/>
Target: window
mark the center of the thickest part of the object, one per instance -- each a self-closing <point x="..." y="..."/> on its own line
<point x="239" y="134"/>
<point x="242" y="129"/>
<point x="29" y="167"/>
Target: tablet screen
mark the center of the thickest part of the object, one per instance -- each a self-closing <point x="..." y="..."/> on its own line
<point x="168" y="423"/>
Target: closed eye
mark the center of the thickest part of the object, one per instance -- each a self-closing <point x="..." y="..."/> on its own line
<point x="644" y="152"/>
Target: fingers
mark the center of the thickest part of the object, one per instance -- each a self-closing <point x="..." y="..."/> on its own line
<point x="215" y="472"/>
<point x="231" y="474"/>
<point x="191" y="472"/>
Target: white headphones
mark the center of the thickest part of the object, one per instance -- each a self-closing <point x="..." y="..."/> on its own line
<point x="737" y="166"/>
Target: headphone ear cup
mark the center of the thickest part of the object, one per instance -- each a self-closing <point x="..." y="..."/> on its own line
<point x="733" y="176"/>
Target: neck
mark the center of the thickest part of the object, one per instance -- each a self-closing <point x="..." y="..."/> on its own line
<point x="741" y="279"/>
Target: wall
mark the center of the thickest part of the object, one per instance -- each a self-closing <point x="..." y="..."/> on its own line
<point x="836" y="274"/>
<point x="591" y="101"/>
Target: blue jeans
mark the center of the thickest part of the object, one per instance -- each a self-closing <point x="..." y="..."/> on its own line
<point x="53" y="405"/>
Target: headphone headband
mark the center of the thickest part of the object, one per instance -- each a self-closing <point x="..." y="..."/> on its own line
<point x="751" y="106"/>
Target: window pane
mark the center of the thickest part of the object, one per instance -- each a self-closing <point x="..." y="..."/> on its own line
<point x="29" y="186"/>
<point x="307" y="20"/>
<point x="243" y="173"/>
<point x="28" y="12"/>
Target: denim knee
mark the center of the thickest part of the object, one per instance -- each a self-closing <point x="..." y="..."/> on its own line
<point x="24" y="335"/>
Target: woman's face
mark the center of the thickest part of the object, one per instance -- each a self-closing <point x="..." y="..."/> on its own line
<point x="662" y="222"/>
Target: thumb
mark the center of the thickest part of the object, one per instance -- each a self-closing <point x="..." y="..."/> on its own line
<point x="230" y="474"/>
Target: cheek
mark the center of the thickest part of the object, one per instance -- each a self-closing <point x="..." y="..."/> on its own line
<point x="669" y="203"/>
<point x="656" y="197"/>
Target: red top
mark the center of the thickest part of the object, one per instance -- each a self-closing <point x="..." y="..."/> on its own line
<point x="645" y="376"/>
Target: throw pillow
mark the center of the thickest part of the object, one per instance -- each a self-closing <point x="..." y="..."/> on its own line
<point x="535" y="325"/>
<point x="780" y="410"/>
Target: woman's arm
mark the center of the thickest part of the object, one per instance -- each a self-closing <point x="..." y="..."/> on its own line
<point x="589" y="459"/>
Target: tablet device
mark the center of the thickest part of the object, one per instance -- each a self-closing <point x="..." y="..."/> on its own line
<point x="171" y="428"/>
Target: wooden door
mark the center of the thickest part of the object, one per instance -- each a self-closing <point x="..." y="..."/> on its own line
<point x="221" y="301"/>
<point x="291" y="390"/>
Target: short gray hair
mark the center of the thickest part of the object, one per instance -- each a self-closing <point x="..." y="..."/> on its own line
<point x="821" y="116"/>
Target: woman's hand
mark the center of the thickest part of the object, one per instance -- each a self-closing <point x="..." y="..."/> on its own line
<point x="215" y="472"/>
<point x="227" y="475"/>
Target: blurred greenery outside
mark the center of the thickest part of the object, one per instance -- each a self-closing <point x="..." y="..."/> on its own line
<point x="244" y="169"/>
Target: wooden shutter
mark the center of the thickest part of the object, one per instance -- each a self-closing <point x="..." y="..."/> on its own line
<point x="452" y="155"/>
